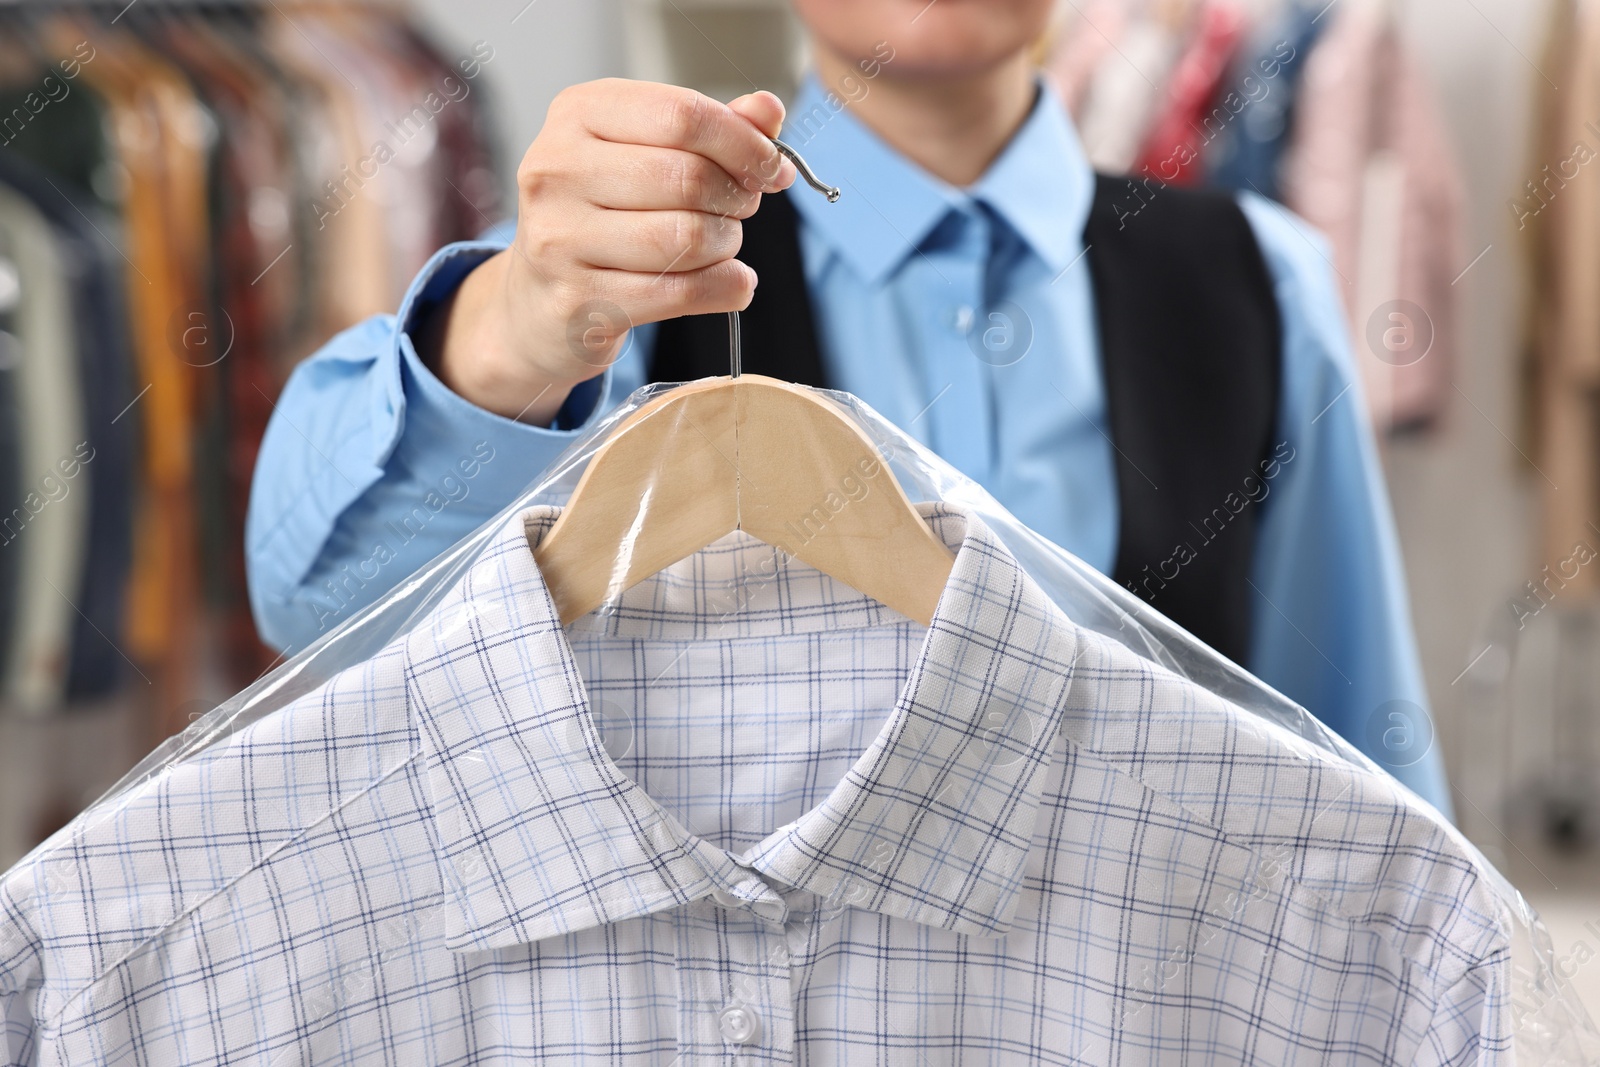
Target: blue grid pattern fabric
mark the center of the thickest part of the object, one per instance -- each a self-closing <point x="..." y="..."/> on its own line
<point x="745" y="815"/>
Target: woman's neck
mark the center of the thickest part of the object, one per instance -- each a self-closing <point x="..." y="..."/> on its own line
<point x="951" y="128"/>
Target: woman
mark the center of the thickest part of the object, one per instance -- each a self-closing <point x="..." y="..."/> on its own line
<point x="1159" y="380"/>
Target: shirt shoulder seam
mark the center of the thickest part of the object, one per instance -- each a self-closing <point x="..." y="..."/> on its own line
<point x="1259" y="855"/>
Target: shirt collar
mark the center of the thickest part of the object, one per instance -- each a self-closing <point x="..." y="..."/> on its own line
<point x="539" y="834"/>
<point x="1041" y="184"/>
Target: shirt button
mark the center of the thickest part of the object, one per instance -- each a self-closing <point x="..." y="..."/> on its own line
<point x="961" y="319"/>
<point x="739" y="1025"/>
<point x="726" y="899"/>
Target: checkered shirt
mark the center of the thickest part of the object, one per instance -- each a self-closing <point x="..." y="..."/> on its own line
<point x="749" y="816"/>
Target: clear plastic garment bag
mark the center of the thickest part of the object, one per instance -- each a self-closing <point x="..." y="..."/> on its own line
<point x="1541" y="1018"/>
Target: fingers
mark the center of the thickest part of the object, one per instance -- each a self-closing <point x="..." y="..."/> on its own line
<point x="761" y="109"/>
<point x="633" y="193"/>
<point x="661" y="241"/>
<point x="669" y="116"/>
<point x="641" y="178"/>
<point x="725" y="286"/>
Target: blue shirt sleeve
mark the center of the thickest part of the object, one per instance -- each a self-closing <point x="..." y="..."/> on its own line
<point x="371" y="466"/>
<point x="1332" y="618"/>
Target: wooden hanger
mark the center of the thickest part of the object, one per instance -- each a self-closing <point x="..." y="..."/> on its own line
<point x="780" y="462"/>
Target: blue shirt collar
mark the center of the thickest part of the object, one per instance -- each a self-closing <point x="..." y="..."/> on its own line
<point x="1041" y="185"/>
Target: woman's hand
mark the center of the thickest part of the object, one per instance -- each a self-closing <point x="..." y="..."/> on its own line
<point x="629" y="209"/>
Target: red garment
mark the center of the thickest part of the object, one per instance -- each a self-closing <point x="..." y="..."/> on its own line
<point x="1195" y="110"/>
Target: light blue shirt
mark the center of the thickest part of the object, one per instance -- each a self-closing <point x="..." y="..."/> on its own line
<point x="964" y="316"/>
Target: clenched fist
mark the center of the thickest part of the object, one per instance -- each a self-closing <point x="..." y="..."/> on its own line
<point x="631" y="196"/>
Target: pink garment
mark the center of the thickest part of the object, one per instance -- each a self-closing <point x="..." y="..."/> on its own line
<point x="1369" y="165"/>
<point x="1085" y="40"/>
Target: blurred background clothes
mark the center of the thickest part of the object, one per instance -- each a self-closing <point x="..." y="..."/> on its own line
<point x="191" y="200"/>
<point x="1557" y="216"/>
<point x="1321" y="107"/>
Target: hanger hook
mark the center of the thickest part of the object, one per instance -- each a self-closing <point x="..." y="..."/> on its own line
<point x="830" y="191"/>
<point x="735" y="345"/>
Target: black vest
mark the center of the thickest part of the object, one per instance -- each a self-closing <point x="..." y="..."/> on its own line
<point x="1191" y="344"/>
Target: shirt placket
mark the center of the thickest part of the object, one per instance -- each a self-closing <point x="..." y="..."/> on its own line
<point x="960" y="411"/>
<point x="735" y="993"/>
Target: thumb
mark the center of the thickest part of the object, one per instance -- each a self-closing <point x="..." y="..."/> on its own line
<point x="762" y="109"/>
<point x="765" y="112"/>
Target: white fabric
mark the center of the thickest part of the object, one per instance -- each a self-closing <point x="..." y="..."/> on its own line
<point x="748" y="815"/>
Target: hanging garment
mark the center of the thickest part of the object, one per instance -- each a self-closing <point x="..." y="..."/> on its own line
<point x="49" y="523"/>
<point x="1124" y="94"/>
<point x="103" y="461"/>
<point x="1557" y="215"/>
<point x="11" y="432"/>
<point x="747" y="811"/>
<point x="299" y="113"/>
<point x="1369" y="165"/>
<point x="340" y="150"/>
<point x="1198" y="104"/>
<point x="399" y="137"/>
<point x="160" y="139"/>
<point x="231" y="338"/>
<point x="59" y="164"/>
<point x="468" y="194"/>
<point x="1248" y="153"/>
<point x="1084" y="43"/>
<point x="184" y="157"/>
<point x="1367" y="161"/>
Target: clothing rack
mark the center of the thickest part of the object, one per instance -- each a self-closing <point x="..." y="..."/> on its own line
<point x="229" y="227"/>
<point x="1323" y="108"/>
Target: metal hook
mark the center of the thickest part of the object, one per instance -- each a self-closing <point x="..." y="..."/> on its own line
<point x="830" y="191"/>
<point x="735" y="346"/>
